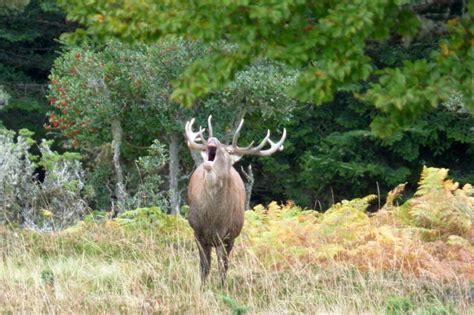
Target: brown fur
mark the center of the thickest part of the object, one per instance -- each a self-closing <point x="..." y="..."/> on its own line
<point x="216" y="192"/>
<point x="216" y="196"/>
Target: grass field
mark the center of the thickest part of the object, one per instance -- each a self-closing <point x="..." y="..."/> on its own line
<point x="111" y="268"/>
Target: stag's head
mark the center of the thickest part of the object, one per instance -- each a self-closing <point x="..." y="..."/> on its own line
<point x="218" y="157"/>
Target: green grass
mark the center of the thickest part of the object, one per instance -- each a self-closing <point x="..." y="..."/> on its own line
<point x="107" y="268"/>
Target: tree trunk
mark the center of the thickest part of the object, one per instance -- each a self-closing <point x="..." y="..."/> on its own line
<point x="120" y="192"/>
<point x="174" y="173"/>
<point x="248" y="183"/>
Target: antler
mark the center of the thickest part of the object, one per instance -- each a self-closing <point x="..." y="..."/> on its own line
<point x="209" y="125"/>
<point x="192" y="136"/>
<point x="249" y="150"/>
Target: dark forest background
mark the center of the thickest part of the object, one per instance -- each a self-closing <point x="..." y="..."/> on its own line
<point x="330" y="154"/>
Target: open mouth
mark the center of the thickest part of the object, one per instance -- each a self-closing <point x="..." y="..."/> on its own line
<point x="211" y="152"/>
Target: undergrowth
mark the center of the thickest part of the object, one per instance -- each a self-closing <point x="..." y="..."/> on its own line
<point x="428" y="236"/>
<point x="414" y="258"/>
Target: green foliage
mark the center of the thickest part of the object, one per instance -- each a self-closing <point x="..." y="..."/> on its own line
<point x="396" y="305"/>
<point x="96" y="216"/>
<point x="259" y="91"/>
<point x="348" y="212"/>
<point x="432" y="179"/>
<point x="328" y="40"/>
<point x="4" y="97"/>
<point x="330" y="150"/>
<point x="334" y="156"/>
<point x="99" y="179"/>
<point x="440" y="207"/>
<point x="47" y="276"/>
<point x="149" y="190"/>
<point x="28" y="46"/>
<point x="90" y="86"/>
<point x="154" y="219"/>
<point x="438" y="308"/>
<point x="427" y="83"/>
<point x="234" y="306"/>
<point x="53" y="203"/>
<point x="142" y="216"/>
<point x="29" y="43"/>
<point x="12" y="7"/>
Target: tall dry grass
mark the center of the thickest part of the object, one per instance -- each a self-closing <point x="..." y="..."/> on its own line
<point x="107" y="268"/>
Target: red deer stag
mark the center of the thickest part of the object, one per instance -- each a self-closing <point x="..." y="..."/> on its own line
<point x="216" y="193"/>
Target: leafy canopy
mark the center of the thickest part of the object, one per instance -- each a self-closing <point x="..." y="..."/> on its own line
<point x="330" y="40"/>
<point x="8" y="7"/>
<point x="28" y="47"/>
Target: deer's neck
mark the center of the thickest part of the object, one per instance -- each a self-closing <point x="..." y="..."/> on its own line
<point x="214" y="186"/>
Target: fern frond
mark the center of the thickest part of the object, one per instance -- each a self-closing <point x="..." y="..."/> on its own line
<point x="432" y="179"/>
<point x="394" y="194"/>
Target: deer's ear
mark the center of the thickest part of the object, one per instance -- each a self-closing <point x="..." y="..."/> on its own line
<point x="235" y="158"/>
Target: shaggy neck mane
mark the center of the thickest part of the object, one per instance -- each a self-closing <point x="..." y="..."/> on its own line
<point x="214" y="186"/>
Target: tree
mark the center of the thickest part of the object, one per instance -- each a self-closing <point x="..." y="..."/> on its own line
<point x="331" y="154"/>
<point x="339" y="158"/>
<point x="28" y="46"/>
<point x="121" y="93"/>
<point x="329" y="40"/>
<point x="8" y="7"/>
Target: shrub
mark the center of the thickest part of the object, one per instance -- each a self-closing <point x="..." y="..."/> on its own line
<point x="149" y="191"/>
<point x="18" y="194"/>
<point x="50" y="204"/>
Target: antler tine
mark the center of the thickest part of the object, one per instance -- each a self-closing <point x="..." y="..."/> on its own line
<point x="237" y="133"/>
<point x="274" y="146"/>
<point x="201" y="134"/>
<point x="192" y="136"/>
<point x="278" y="146"/>
<point x="209" y="124"/>
<point x="264" y="141"/>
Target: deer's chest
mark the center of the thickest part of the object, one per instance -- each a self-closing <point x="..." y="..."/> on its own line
<point x="216" y="218"/>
